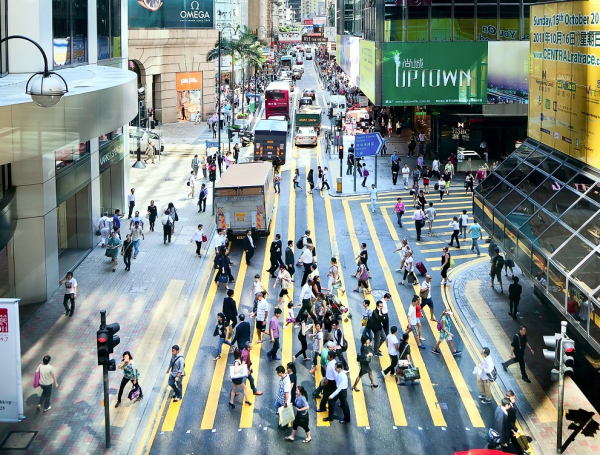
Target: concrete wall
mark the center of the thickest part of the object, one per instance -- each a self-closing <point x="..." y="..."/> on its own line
<point x="165" y="53"/>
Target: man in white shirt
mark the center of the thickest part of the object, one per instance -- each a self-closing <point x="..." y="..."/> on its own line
<point x="414" y="322"/>
<point x="305" y="296"/>
<point x="192" y="184"/>
<point x="405" y="175"/>
<point x="220" y="240"/>
<point x="261" y="314"/>
<point x="330" y="378"/>
<point x="340" y="393"/>
<point x="464" y="222"/>
<point x="392" y="347"/>
<point x="387" y="297"/>
<point x="104" y="227"/>
<point x="306" y="259"/>
<point x="136" y="233"/>
<point x="435" y="166"/>
<point x="70" y="293"/>
<point x="137" y="218"/>
<point x="131" y="202"/>
<point x="483" y="377"/>
<point x="425" y="295"/>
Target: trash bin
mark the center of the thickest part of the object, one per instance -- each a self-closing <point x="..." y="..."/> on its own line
<point x="339" y="184"/>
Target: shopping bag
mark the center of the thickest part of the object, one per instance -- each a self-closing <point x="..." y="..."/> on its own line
<point x="242" y="374"/>
<point x="36" y="379"/>
<point x="286" y="415"/>
<point x="411" y="374"/>
<point x="134" y="393"/>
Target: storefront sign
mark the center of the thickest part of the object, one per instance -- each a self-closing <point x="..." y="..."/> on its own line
<point x="329" y="33"/>
<point x="313" y="39"/>
<point x="308" y="22"/>
<point x="434" y="73"/>
<point x="188" y="81"/>
<point x="171" y="13"/>
<point x="294" y="37"/>
<point x="565" y="78"/>
<point x="367" y="68"/>
<point x="189" y="95"/>
<point x="111" y="153"/>
<point x="11" y="392"/>
<point x="350" y="58"/>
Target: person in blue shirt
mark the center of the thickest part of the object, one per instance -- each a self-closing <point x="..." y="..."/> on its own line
<point x="476" y="235"/>
<point x="116" y="219"/>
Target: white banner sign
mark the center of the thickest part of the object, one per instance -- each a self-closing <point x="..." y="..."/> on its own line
<point x="330" y="33"/>
<point x="294" y="37"/>
<point x="11" y="390"/>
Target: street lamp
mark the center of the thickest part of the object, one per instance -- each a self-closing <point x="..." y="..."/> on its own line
<point x="45" y="91"/>
<point x="219" y="88"/>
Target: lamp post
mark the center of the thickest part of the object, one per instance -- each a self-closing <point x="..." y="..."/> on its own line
<point x="45" y="91"/>
<point x="235" y="30"/>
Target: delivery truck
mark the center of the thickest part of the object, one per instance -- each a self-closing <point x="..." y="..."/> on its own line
<point x="309" y="116"/>
<point x="245" y="199"/>
<point x="270" y="139"/>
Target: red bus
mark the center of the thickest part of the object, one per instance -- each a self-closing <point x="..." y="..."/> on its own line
<point x="277" y="99"/>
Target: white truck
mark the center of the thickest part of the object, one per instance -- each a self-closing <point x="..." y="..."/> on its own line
<point x="245" y="199"/>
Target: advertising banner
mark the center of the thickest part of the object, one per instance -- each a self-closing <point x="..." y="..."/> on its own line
<point x="434" y="73"/>
<point x="338" y="48"/>
<point x="564" y="83"/>
<point x="319" y="21"/>
<point x="508" y="72"/>
<point x="308" y="22"/>
<point x="111" y="153"/>
<point x="11" y="392"/>
<point x="367" y="68"/>
<point x="350" y="58"/>
<point x="171" y="13"/>
<point x="294" y="37"/>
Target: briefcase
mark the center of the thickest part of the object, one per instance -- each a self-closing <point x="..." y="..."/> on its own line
<point x="523" y="442"/>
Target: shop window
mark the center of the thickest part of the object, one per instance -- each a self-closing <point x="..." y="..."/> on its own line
<point x="580" y="213"/>
<point x="557" y="284"/>
<point x="510" y="239"/>
<point x="584" y="310"/>
<point x="507" y="166"/>
<point x="478" y="206"/>
<point x="69" y="32"/>
<point x="488" y="217"/>
<point x="587" y="275"/>
<point x="561" y="201"/>
<point x="418" y="23"/>
<point x="553" y="238"/>
<point x="573" y="253"/>
<point x="109" y="28"/>
<point x="498" y="230"/>
<point x="509" y="23"/>
<point x="533" y="180"/>
<point x="522" y="212"/>
<point x="464" y="23"/>
<point x="70" y="154"/>
<point x="524" y="251"/>
<point x="487" y="22"/>
<point x="538" y="268"/>
<point x="519" y="173"/>
<point x="441" y="23"/>
<point x="498" y="193"/>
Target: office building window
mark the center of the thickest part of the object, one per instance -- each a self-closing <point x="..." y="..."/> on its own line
<point x="70" y="154"/>
<point x="109" y="29"/>
<point x="487" y="22"/>
<point x="441" y="23"/>
<point x="418" y="23"/>
<point x="69" y="32"/>
<point x="509" y="23"/>
<point x="464" y="22"/>
<point x="395" y="22"/>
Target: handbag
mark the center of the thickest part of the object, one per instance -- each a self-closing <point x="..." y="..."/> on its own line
<point x="243" y="373"/>
<point x="135" y="392"/>
<point x="411" y="374"/>
<point x="411" y="278"/>
<point x="451" y="262"/>
<point x="363" y="323"/>
<point x="286" y="415"/>
<point x="423" y="293"/>
<point x="176" y="216"/>
<point x="98" y="232"/>
<point x="36" y="378"/>
<point x="108" y="253"/>
<point x="223" y="279"/>
<point x="204" y="238"/>
<point x="493" y="375"/>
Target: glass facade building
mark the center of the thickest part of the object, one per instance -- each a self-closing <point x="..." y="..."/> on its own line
<point x="543" y="208"/>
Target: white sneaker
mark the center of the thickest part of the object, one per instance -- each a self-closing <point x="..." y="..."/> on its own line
<point x="399" y="270"/>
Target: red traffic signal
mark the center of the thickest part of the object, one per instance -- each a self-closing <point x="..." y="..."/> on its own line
<point x="102" y="336"/>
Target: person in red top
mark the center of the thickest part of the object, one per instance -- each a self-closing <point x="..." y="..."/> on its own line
<point x="246" y="359"/>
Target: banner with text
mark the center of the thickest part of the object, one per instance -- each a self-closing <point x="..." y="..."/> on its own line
<point x="564" y="110"/>
<point x="367" y="68"/>
<point x="171" y="14"/>
<point x="350" y="58"/>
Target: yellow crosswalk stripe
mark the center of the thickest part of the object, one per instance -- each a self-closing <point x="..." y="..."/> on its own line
<point x="389" y="223"/>
<point x="358" y="398"/>
<point x="426" y="384"/>
<point x="463" y="256"/>
<point x="288" y="331"/>
<point x="393" y="393"/>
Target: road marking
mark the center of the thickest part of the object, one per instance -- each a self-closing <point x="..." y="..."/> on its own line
<point x="358" y="398"/>
<point x="464" y="256"/>
<point x="389" y="223"/>
<point x="248" y="411"/>
<point x="159" y="406"/>
<point x="151" y="340"/>
<point x="324" y="100"/>
<point x="426" y="384"/>
<point x="212" y="401"/>
<point x="393" y="393"/>
<point x="287" y="344"/>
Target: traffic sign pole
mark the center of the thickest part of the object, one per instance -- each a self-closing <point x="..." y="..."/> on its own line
<point x="354" y="163"/>
<point x="375" y="171"/>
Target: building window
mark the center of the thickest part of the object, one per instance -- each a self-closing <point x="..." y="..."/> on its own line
<point x="418" y="23"/>
<point x="105" y="138"/>
<point x="109" y="29"/>
<point x="441" y="23"/>
<point x="464" y="22"/>
<point x="69" y="32"/>
<point x="487" y="22"/>
<point x="395" y="23"/>
<point x="509" y="23"/>
<point x="67" y="156"/>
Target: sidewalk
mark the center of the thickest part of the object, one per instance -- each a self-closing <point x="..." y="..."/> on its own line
<point x="485" y="312"/>
<point x="147" y="302"/>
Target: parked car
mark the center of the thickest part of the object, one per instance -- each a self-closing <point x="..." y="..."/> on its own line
<point x="310" y="92"/>
<point x="156" y="139"/>
<point x="306" y="136"/>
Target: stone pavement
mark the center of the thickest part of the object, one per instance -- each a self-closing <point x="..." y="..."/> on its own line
<point x="149" y="303"/>
<point x="485" y="311"/>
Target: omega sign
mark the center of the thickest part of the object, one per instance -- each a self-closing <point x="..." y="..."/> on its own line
<point x="195" y="13"/>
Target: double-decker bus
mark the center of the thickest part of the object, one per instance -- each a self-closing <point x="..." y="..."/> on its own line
<point x="277" y="100"/>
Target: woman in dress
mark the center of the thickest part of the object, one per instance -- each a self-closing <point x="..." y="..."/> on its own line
<point x="126" y="252"/>
<point x="130" y="373"/>
<point x="426" y="174"/>
<point x="113" y="249"/>
<point x="238" y="382"/>
<point x="302" y="418"/>
<point x="365" y="363"/>
<point x="445" y="333"/>
<point x="152" y="215"/>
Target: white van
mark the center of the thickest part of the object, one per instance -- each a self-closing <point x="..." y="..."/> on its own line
<point x="337" y="105"/>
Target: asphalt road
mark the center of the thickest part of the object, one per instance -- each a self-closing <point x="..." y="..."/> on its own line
<point x="440" y="416"/>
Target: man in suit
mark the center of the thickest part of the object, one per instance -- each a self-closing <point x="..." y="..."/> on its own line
<point x="501" y="424"/>
<point x="275" y="255"/>
<point x="289" y="257"/>
<point x="512" y="422"/>
<point x="230" y="309"/>
<point x="242" y="333"/>
<point x="248" y="246"/>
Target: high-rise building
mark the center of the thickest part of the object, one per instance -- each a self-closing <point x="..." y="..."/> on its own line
<point x="296" y="7"/>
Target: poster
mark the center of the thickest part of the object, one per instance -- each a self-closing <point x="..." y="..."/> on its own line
<point x="434" y="73"/>
<point x="11" y="392"/>
<point x="367" y="68"/>
<point x="189" y="95"/>
<point x="564" y="83"/>
<point x="350" y="58"/>
<point x="508" y="72"/>
<point x="171" y="13"/>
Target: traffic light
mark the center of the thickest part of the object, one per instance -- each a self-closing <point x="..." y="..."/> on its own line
<point x="229" y="133"/>
<point x="102" y="349"/>
<point x="212" y="174"/>
<point x="568" y="348"/>
<point x="341" y="151"/>
<point x="113" y="339"/>
<point x="554" y="342"/>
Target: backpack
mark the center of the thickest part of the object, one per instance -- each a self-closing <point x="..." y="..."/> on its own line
<point x="168" y="223"/>
<point x="499" y="262"/>
<point x="300" y="243"/>
<point x="365" y="172"/>
<point x="460" y="222"/>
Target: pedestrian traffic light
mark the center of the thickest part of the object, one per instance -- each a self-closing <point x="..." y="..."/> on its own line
<point x="568" y="348"/>
<point x="212" y="175"/>
<point x="113" y="339"/>
<point x="554" y="342"/>
<point x="102" y="337"/>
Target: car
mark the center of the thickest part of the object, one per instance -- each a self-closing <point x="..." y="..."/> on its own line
<point x="297" y="74"/>
<point x="310" y="92"/>
<point x="306" y="136"/>
<point x="299" y="61"/>
<point x="138" y="133"/>
<point x="305" y="101"/>
<point x="308" y="56"/>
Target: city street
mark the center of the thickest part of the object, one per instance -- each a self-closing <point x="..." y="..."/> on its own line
<point x="170" y="297"/>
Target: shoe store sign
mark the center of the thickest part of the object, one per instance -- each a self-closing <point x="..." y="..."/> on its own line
<point x="11" y="392"/>
<point x="171" y="13"/>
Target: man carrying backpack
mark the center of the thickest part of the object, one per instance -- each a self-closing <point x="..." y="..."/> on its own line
<point x="496" y="269"/>
<point x="176" y="373"/>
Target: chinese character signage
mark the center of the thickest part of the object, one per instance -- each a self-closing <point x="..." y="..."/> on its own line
<point x="435" y="73"/>
<point x="564" y="83"/>
<point x="11" y="392"/>
<point x="171" y="13"/>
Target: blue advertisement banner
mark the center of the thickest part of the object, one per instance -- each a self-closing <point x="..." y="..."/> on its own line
<point x="171" y="13"/>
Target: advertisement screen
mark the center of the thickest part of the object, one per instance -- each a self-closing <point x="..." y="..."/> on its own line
<point x="564" y="84"/>
<point x="350" y="58"/>
<point x="367" y="68"/>
<point x="171" y="13"/>
<point x="508" y="72"/>
<point x="435" y="73"/>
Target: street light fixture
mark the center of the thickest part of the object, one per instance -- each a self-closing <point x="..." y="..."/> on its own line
<point x="45" y="90"/>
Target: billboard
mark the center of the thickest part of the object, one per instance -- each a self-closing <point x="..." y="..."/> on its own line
<point x="293" y="37"/>
<point x="308" y="22"/>
<point x="434" y="73"/>
<point x="11" y="392"/>
<point x="367" y="68"/>
<point x="171" y="13"/>
<point x="350" y="58"/>
<point x="564" y="83"/>
<point x="508" y="72"/>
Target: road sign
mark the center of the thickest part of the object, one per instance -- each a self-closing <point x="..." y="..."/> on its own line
<point x="367" y="144"/>
<point x="330" y="33"/>
<point x="212" y="143"/>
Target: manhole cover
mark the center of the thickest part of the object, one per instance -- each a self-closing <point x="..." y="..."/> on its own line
<point x="18" y="440"/>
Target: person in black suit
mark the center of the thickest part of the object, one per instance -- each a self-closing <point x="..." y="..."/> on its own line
<point x="512" y="421"/>
<point x="501" y="422"/>
<point x="289" y="257"/>
<point x="274" y="255"/>
<point x="248" y="246"/>
<point x="514" y="295"/>
<point x="242" y="333"/>
<point x="230" y="309"/>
